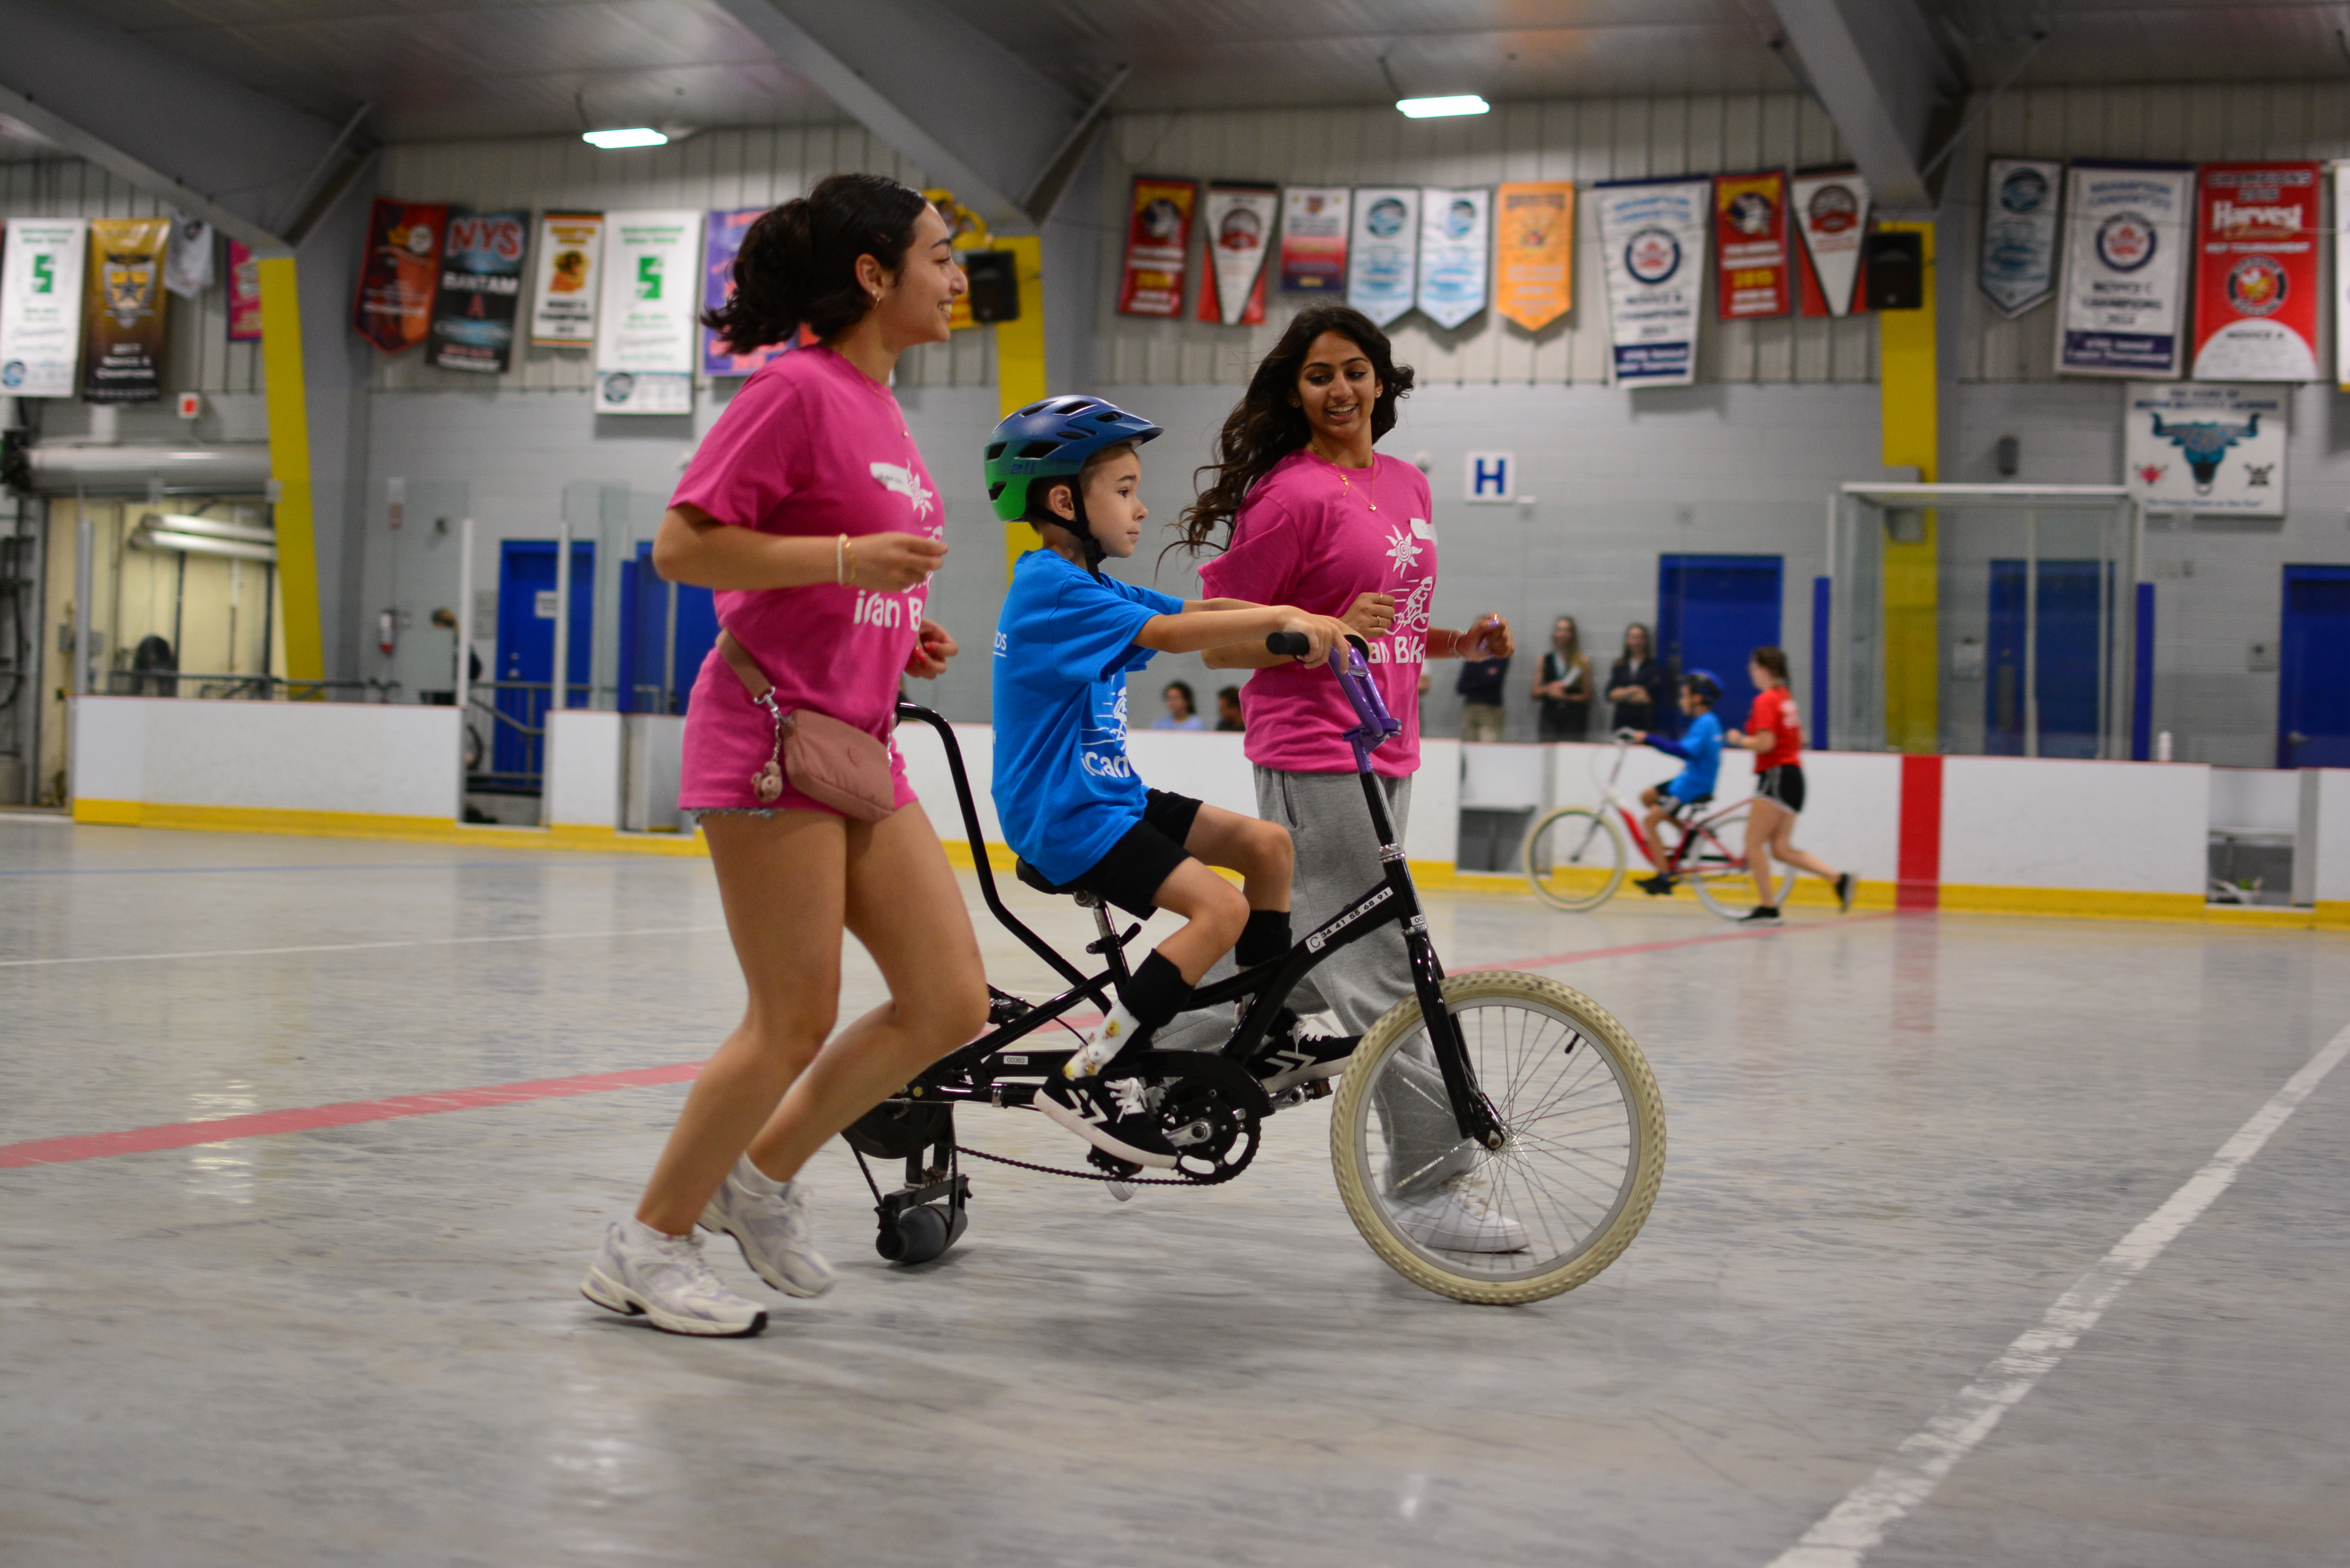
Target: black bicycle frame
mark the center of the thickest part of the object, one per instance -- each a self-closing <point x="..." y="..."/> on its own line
<point x="1394" y="898"/>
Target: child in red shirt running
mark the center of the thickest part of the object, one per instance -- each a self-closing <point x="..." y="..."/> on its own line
<point x="1774" y="733"/>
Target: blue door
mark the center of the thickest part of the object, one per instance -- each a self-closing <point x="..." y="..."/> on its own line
<point x="2314" y="668"/>
<point x="644" y="617"/>
<point x="1711" y="612"/>
<point x="2068" y="638"/>
<point x="526" y="647"/>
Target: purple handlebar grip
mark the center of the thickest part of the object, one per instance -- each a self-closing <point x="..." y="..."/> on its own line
<point x="1355" y="680"/>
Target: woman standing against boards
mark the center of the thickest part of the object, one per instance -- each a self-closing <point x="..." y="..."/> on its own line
<point x="811" y="513"/>
<point x="1637" y="685"/>
<point x="1563" y="685"/>
<point x="1307" y="513"/>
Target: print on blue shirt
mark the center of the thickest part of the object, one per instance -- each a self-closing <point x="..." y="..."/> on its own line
<point x="1065" y="789"/>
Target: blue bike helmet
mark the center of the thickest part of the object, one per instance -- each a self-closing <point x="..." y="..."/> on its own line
<point x="1705" y="684"/>
<point x="1053" y="439"/>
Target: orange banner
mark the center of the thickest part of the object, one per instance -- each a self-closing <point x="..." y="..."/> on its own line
<point x="1534" y="266"/>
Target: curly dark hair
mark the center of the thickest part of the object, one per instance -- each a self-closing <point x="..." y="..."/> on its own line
<point x="1267" y="425"/>
<point x="797" y="266"/>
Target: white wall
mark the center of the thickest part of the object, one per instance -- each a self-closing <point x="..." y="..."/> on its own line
<point x="365" y="758"/>
<point x="583" y="769"/>
<point x="2320" y="857"/>
<point x="2037" y="822"/>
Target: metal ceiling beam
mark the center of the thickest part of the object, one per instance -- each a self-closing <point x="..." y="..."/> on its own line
<point x="978" y="120"/>
<point x="213" y="149"/>
<point x="1876" y="68"/>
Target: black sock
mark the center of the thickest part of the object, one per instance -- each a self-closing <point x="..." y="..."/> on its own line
<point x="1155" y="991"/>
<point x="1263" y="939"/>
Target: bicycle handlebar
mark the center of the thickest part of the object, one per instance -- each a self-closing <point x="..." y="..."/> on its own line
<point x="1292" y="644"/>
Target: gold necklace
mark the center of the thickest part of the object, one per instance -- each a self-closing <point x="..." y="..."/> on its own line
<point x="1370" y="496"/>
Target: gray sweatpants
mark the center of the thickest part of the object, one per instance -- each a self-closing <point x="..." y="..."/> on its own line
<point x="1337" y="862"/>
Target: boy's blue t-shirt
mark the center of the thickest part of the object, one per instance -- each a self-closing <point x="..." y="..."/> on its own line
<point x="1064" y="788"/>
<point x="1700" y="748"/>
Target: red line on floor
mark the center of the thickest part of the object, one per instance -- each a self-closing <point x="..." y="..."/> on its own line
<point x="310" y="1119"/>
<point x="350" y="1113"/>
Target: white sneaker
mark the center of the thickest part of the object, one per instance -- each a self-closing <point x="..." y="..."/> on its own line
<point x="665" y="1279"/>
<point x="1455" y="1218"/>
<point x="768" y="1220"/>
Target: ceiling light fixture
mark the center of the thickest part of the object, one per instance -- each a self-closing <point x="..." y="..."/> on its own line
<point x="630" y="136"/>
<point x="1434" y="108"/>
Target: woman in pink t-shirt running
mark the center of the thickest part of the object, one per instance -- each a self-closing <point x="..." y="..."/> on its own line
<point x="810" y="513"/>
<point x="1308" y="514"/>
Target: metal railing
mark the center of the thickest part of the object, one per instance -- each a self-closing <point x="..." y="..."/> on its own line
<point x="225" y="685"/>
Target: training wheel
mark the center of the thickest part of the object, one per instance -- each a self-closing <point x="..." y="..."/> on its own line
<point x="920" y="1233"/>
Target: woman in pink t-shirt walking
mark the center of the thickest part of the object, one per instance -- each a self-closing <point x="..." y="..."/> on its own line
<point x="809" y="511"/>
<point x="1310" y="515"/>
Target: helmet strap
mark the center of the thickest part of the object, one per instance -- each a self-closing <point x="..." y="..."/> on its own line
<point x="1080" y="527"/>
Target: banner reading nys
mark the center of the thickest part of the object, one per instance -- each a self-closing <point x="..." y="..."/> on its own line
<point x="481" y="292"/>
<point x="2256" y="272"/>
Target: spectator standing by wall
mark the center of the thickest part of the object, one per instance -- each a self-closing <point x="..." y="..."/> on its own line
<point x="1636" y="684"/>
<point x="1228" y="712"/>
<point x="1562" y="685"/>
<point x="1481" y="697"/>
<point x="1182" y="709"/>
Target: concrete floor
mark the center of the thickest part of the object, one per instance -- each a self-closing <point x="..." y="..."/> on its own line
<point x="1894" y="1143"/>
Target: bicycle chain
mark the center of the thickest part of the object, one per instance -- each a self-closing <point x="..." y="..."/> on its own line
<point x="1079" y="1175"/>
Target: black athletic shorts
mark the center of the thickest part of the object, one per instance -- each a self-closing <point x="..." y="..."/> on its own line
<point x="1130" y="875"/>
<point x="1782" y="784"/>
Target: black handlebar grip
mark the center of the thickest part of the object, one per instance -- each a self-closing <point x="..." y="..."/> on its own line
<point x="1293" y="643"/>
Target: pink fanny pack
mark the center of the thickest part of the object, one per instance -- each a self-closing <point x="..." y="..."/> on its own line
<point x="835" y="764"/>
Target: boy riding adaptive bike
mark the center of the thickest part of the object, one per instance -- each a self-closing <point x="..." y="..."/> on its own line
<point x="1700" y="749"/>
<point x="1064" y="790"/>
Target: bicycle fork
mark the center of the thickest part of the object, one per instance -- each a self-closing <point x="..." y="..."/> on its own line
<point x="1473" y="1113"/>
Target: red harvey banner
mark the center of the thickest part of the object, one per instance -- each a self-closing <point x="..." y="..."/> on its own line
<point x="244" y="295"/>
<point x="1750" y="237"/>
<point x="398" y="272"/>
<point x="2257" y="228"/>
<point x="1158" y="239"/>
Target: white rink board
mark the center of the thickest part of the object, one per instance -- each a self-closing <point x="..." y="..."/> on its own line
<point x="374" y="759"/>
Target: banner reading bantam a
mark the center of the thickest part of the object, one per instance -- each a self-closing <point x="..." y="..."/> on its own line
<point x="2256" y="272"/>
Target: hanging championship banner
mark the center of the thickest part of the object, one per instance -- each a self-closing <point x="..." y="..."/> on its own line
<point x="1832" y="214"/>
<point x="2341" y="275"/>
<point x="2256" y="232"/>
<point x="1314" y="221"/>
<point x="244" y="295"/>
<point x="480" y="293"/>
<point x="1383" y="253"/>
<point x="563" y="306"/>
<point x="1240" y="230"/>
<point x="1652" y="233"/>
<point x="1157" y="241"/>
<point x="40" y="307"/>
<point x="2019" y="232"/>
<point x="2194" y="447"/>
<point x="122" y="361"/>
<point x="402" y="263"/>
<point x="1456" y="235"/>
<point x="1534" y="263"/>
<point x="2125" y="269"/>
<point x="722" y="245"/>
<point x="644" y="344"/>
<point x="1750" y="234"/>
<point x="188" y="269"/>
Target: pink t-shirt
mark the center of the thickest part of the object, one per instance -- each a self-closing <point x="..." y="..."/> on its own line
<point x="1316" y="535"/>
<point x="813" y="446"/>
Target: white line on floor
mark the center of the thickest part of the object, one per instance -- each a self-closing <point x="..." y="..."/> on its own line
<point x="1843" y="1537"/>
<point x="363" y="947"/>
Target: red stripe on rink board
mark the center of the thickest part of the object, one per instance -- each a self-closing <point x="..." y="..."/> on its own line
<point x="1920" y="884"/>
<point x="350" y="1113"/>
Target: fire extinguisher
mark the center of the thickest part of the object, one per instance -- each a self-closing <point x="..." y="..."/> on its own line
<point x="387" y="631"/>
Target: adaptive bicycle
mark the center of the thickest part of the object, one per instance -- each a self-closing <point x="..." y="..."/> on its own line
<point x="1575" y="858"/>
<point x="1523" y="1091"/>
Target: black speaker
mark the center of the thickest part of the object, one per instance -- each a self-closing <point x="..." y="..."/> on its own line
<point x="1894" y="270"/>
<point x="995" y="285"/>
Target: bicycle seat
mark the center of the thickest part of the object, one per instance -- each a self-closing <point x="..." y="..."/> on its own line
<point x="1036" y="879"/>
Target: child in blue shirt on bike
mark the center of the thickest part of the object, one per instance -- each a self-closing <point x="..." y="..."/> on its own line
<point x="1700" y="749"/>
<point x="1064" y="791"/>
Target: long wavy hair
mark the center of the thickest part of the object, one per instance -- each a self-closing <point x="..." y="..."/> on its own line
<point x="1266" y="425"/>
